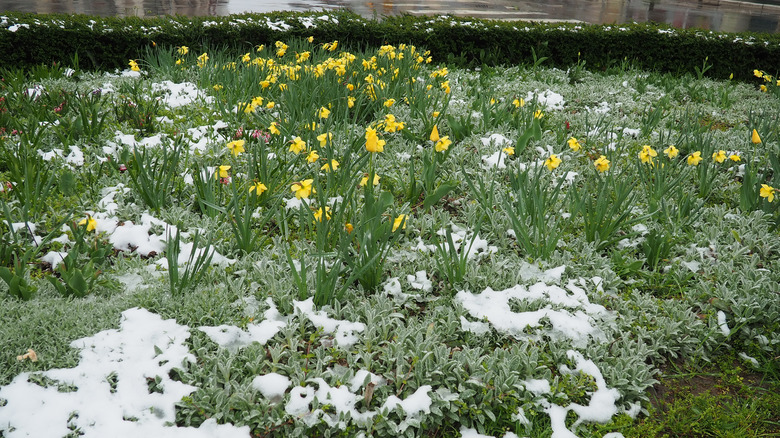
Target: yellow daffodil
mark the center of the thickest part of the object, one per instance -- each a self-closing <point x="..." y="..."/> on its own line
<point x="218" y="87"/>
<point x="509" y="150"/>
<point x="767" y="192"/>
<point x="389" y="102"/>
<point x="364" y="180"/>
<point x="518" y="103"/>
<point x="647" y="154"/>
<point x="222" y="172"/>
<point x="318" y="214"/>
<point x="538" y="114"/>
<point x="443" y="144"/>
<point x="333" y="165"/>
<point x="735" y="157"/>
<point x="246" y="58"/>
<point x="203" y="59"/>
<point x="446" y="87"/>
<point x="350" y="87"/>
<point x="303" y="189"/>
<point x="602" y="164"/>
<point x="763" y="88"/>
<point x="91" y="223"/>
<point x="297" y="146"/>
<point x="719" y="156"/>
<point x="312" y="157"/>
<point x="258" y="188"/>
<point x="273" y="129"/>
<point x="265" y="84"/>
<point x="694" y="159"/>
<point x="323" y="113"/>
<point x="350" y="102"/>
<point x="183" y="50"/>
<point x="236" y="147"/>
<point x="758" y="73"/>
<point x="391" y="125"/>
<point x="373" y="143"/>
<point x="134" y="65"/>
<point x="671" y="151"/>
<point x="755" y="137"/>
<point x="324" y="138"/>
<point x="310" y="39"/>
<point x="270" y="105"/>
<point x="436" y="114"/>
<point x="552" y="162"/>
<point x="574" y="144"/>
<point x="400" y="221"/>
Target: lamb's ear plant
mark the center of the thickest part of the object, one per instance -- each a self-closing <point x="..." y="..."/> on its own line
<point x="195" y="267"/>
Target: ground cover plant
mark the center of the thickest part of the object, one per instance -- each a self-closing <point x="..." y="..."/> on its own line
<point x="308" y="240"/>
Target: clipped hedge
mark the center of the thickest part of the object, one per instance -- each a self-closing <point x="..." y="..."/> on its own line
<point x="107" y="43"/>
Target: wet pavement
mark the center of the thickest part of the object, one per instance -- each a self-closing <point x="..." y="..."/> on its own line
<point x="718" y="15"/>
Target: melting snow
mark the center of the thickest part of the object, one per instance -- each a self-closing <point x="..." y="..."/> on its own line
<point x="108" y="389"/>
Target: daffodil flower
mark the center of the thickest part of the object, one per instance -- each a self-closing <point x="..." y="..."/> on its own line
<point x="719" y="156"/>
<point x="333" y="165"/>
<point x="671" y="151"/>
<point x="364" y="180"/>
<point x="694" y="159"/>
<point x="134" y="65"/>
<point x="443" y="144"/>
<point x="400" y="221"/>
<point x="91" y="223"/>
<point x="258" y="188"/>
<point x="735" y="158"/>
<point x="552" y="162"/>
<point x="312" y="157"/>
<point x="236" y="147"/>
<point x="297" y="146"/>
<point x="389" y="102"/>
<point x="323" y="113"/>
<point x="518" y="103"/>
<point x="510" y="150"/>
<point x="574" y="144"/>
<point x="323" y="138"/>
<point x="303" y="189"/>
<point x="647" y="154"/>
<point x="538" y="114"/>
<point x="318" y="214"/>
<point x="222" y="172"/>
<point x="373" y="143"/>
<point x="273" y="129"/>
<point x="602" y="164"/>
<point x="767" y="192"/>
<point x="202" y="60"/>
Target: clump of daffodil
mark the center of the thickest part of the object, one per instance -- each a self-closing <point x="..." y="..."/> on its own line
<point x="134" y="65"/>
<point x="443" y="144"/>
<point x="767" y="192"/>
<point x="601" y="163"/>
<point x="647" y="154"/>
<point x="236" y="147"/>
<point x="297" y="146"/>
<point x="258" y="188"/>
<point x="91" y="223"/>
<point x="574" y="144"/>
<point x="552" y="162"/>
<point x="183" y="50"/>
<point x="400" y="221"/>
<point x="755" y="138"/>
<point x="719" y="156"/>
<point x="671" y="151"/>
<point x="333" y="165"/>
<point x="281" y="48"/>
<point x="392" y="125"/>
<point x="373" y="143"/>
<point x="364" y="180"/>
<point x="303" y="189"/>
<point x="694" y="159"/>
